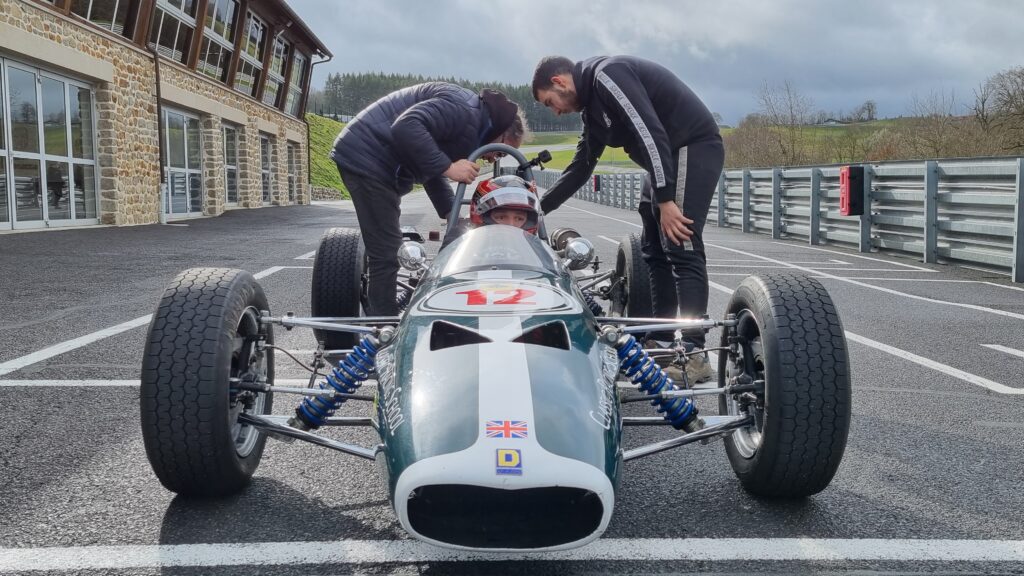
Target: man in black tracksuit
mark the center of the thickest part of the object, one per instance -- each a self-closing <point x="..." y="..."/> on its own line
<point x="664" y="127"/>
<point x="422" y="134"/>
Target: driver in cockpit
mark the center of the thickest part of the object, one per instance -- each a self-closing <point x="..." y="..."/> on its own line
<point x="507" y="200"/>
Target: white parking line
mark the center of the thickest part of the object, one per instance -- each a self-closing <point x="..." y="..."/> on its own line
<point x="75" y="343"/>
<point x="616" y="242"/>
<point x="306" y="256"/>
<point x="879" y="288"/>
<point x="848" y="255"/>
<point x="1003" y="286"/>
<point x="1011" y="351"/>
<point x="920" y="360"/>
<point x="111" y="383"/>
<point x="409" y="551"/>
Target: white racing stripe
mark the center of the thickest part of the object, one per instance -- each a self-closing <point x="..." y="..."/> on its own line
<point x="75" y="343"/>
<point x="409" y="551"/>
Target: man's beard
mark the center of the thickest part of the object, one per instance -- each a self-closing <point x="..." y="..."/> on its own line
<point x="570" y="98"/>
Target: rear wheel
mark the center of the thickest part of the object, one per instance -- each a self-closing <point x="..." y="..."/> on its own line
<point x="790" y="343"/>
<point x="204" y="338"/>
<point x="339" y="283"/>
<point x="631" y="297"/>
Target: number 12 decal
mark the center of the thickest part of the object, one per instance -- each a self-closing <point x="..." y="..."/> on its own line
<point x="481" y="297"/>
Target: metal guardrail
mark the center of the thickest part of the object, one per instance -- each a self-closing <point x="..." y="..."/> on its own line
<point x="939" y="210"/>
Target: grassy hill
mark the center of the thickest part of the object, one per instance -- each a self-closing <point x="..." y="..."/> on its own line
<point x="323" y="171"/>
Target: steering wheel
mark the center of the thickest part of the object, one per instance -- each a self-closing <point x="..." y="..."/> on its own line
<point x="460" y="192"/>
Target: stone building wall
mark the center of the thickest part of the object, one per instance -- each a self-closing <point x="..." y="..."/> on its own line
<point x="127" y="150"/>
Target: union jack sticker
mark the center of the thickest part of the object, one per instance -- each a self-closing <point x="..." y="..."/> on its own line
<point x="506" y="429"/>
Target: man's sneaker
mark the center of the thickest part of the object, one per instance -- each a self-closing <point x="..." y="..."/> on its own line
<point x="698" y="369"/>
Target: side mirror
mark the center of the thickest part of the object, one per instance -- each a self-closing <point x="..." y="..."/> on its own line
<point x="560" y="237"/>
<point x="412" y="256"/>
<point x="579" y="253"/>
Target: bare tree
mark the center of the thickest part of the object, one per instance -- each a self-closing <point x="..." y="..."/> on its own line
<point x="934" y="127"/>
<point x="783" y="107"/>
<point x="1006" y="92"/>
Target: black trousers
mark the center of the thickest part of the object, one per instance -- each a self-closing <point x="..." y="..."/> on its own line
<point x="679" y="275"/>
<point x="378" y="207"/>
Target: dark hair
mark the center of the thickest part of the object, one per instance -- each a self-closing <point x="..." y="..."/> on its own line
<point x="549" y="66"/>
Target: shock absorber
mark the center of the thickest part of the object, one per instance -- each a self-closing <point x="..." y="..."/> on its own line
<point x="345" y="379"/>
<point x="403" y="299"/>
<point x="641" y="370"/>
<point x="595" y="308"/>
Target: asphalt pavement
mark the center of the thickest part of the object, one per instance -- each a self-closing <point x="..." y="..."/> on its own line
<point x="934" y="460"/>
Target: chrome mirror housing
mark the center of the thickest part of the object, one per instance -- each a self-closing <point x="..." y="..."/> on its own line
<point x="412" y="256"/>
<point x="579" y="253"/>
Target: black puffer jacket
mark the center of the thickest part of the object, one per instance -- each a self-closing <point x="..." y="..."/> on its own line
<point x="413" y="136"/>
<point x="637" y="105"/>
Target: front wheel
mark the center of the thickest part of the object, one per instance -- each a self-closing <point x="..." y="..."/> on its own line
<point x="631" y="295"/>
<point x="789" y="343"/>
<point x="206" y="337"/>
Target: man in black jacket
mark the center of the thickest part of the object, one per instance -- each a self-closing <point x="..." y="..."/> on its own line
<point x="635" y="104"/>
<point x="421" y="134"/>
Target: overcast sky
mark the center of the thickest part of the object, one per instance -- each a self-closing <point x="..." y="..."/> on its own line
<point x="839" y="53"/>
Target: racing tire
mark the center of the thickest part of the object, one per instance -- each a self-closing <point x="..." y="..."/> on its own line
<point x="339" y="283"/>
<point x="790" y="336"/>
<point x="634" y="300"/>
<point x="204" y="333"/>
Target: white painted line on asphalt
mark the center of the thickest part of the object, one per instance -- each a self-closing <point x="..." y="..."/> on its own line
<point x="75" y="343"/>
<point x="848" y="255"/>
<point x="838" y="261"/>
<point x="1011" y="351"/>
<point x="616" y="242"/>
<point x="823" y="269"/>
<point x="603" y="216"/>
<point x="409" y="551"/>
<point x="306" y="256"/>
<point x="945" y="369"/>
<point x="68" y="345"/>
<point x="979" y="269"/>
<point x="1004" y="286"/>
<point x="879" y="288"/>
<point x="111" y="383"/>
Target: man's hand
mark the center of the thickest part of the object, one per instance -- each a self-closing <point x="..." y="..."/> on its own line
<point x="463" y="171"/>
<point x="673" y="223"/>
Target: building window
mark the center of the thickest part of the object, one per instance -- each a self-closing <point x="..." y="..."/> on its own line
<point x="184" y="164"/>
<point x="292" y="178"/>
<point x="107" y="14"/>
<point x="230" y="164"/>
<point x="47" y="160"/>
<point x="272" y="92"/>
<point x="218" y="38"/>
<point x="267" y="167"/>
<point x="293" y="104"/>
<point x="174" y="21"/>
<point x="250" y="64"/>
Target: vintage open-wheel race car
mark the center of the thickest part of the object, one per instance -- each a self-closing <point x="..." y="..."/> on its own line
<point x="499" y="388"/>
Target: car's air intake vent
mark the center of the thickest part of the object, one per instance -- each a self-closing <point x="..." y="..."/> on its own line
<point x="553" y="334"/>
<point x="447" y="335"/>
<point x="480" y="517"/>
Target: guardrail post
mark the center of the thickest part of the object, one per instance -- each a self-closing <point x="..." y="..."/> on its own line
<point x="745" y="223"/>
<point x="1017" y="273"/>
<point x="721" y="200"/>
<point x="776" y="203"/>
<point x="865" y="218"/>
<point x="931" y="211"/>
<point x="814" y="238"/>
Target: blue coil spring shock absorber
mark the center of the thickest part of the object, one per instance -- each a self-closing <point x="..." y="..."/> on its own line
<point x="649" y="377"/>
<point x="345" y="379"/>
<point x="595" y="308"/>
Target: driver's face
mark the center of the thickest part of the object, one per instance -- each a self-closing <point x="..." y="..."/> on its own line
<point x="510" y="217"/>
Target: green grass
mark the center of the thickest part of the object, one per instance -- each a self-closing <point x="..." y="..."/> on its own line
<point x="553" y="138"/>
<point x="615" y="157"/>
<point x="323" y="171"/>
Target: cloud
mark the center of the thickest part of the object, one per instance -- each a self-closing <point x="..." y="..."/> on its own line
<point x="838" y="53"/>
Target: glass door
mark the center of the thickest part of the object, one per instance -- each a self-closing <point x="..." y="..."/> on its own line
<point x="184" y="160"/>
<point x="47" y="165"/>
